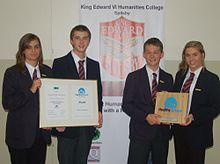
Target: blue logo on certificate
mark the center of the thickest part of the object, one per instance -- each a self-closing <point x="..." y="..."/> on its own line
<point x="81" y="91"/>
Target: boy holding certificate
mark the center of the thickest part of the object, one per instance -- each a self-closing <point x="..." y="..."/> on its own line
<point x="74" y="142"/>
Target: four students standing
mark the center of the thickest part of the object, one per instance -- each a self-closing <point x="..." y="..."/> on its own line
<point x="27" y="142"/>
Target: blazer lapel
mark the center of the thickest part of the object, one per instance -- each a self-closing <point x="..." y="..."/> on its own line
<point x="162" y="81"/>
<point x="91" y="71"/>
<point x="89" y="68"/>
<point x="145" y="83"/>
<point x="199" y="83"/>
<point x="179" y="81"/>
<point x="71" y="66"/>
<point x="27" y="76"/>
<point x="201" y="79"/>
<point x="43" y="74"/>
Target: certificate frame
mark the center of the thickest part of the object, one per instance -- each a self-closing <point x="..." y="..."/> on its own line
<point x="68" y="103"/>
<point x="172" y="107"/>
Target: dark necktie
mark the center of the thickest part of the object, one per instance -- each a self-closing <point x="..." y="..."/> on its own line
<point x="154" y="88"/>
<point x="188" y="83"/>
<point x="81" y="69"/>
<point x="34" y="77"/>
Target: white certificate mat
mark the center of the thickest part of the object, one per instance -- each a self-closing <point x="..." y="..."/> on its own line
<point x="68" y="103"/>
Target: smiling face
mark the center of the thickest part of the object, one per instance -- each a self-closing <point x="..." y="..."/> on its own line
<point x="80" y="41"/>
<point x="152" y="54"/>
<point x="32" y="52"/>
<point x="194" y="58"/>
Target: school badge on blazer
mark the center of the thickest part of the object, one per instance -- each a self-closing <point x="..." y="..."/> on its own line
<point x="43" y="75"/>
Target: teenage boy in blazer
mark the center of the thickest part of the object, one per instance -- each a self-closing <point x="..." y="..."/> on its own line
<point x="147" y="134"/>
<point x="74" y="142"/>
<point x="193" y="137"/>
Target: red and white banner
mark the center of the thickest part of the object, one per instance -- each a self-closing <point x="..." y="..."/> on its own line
<point x="119" y="29"/>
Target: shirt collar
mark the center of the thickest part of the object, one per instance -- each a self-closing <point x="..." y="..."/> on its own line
<point x="76" y="58"/>
<point x="31" y="68"/>
<point x="150" y="71"/>
<point x="196" y="72"/>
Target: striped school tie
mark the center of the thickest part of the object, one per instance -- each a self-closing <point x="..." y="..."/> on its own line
<point x="188" y="83"/>
<point x="154" y="88"/>
<point x="34" y="76"/>
<point x="81" y="69"/>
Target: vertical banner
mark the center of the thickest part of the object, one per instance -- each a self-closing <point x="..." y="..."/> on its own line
<point x="119" y="28"/>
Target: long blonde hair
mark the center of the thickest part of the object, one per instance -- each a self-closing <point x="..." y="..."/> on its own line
<point x="183" y="66"/>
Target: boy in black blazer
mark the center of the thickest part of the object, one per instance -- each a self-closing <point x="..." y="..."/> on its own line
<point x="147" y="134"/>
<point x="74" y="142"/>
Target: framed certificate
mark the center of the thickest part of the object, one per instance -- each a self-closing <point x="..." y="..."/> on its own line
<point x="66" y="103"/>
<point x="172" y="107"/>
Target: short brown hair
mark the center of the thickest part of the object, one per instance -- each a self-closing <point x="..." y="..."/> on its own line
<point x="155" y="42"/>
<point x="81" y="28"/>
